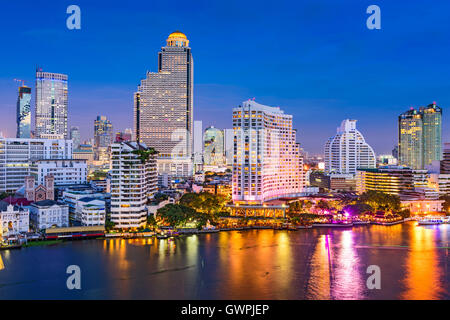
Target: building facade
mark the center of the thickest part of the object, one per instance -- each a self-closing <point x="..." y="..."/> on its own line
<point x="64" y="171"/>
<point x="49" y="213"/>
<point x="51" y="105"/>
<point x="347" y="151"/>
<point x="16" y="155"/>
<point x="133" y="182"/>
<point x="163" y="108"/>
<point x="13" y="220"/>
<point x="23" y="113"/>
<point x="103" y="137"/>
<point x="419" y="136"/>
<point x="75" y="137"/>
<point x="267" y="163"/>
<point x="213" y="147"/>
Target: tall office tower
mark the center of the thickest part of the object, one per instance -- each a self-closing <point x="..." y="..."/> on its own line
<point x="133" y="182"/>
<point x="213" y="154"/>
<point x="432" y="131"/>
<point x="445" y="163"/>
<point x="267" y="163"/>
<point x="103" y="137"/>
<point x="198" y="145"/>
<point x="163" y="107"/>
<point x="75" y="136"/>
<point x="51" y="105"/>
<point x="419" y="136"/>
<point x="24" y="113"/>
<point x="17" y="155"/>
<point x="228" y="146"/>
<point x="347" y="151"/>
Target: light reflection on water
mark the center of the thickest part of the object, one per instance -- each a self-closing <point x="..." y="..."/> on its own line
<point x="263" y="264"/>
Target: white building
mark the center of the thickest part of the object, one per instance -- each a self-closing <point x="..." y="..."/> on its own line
<point x="65" y="171"/>
<point x="267" y="163"/>
<point x="91" y="211"/>
<point x="73" y="197"/>
<point x="347" y="151"/>
<point x="48" y="213"/>
<point x="13" y="219"/>
<point x="228" y="146"/>
<point x="133" y="182"/>
<point x="16" y="155"/>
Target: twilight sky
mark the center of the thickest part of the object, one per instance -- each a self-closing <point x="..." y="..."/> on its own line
<point x="315" y="59"/>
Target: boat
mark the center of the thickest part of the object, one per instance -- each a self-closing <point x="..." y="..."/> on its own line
<point x="429" y="222"/>
<point x="361" y="223"/>
<point x="305" y="227"/>
<point x="334" y="225"/>
<point x="161" y="236"/>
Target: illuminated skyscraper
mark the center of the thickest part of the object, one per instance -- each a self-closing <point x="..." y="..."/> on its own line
<point x="24" y="113"/>
<point x="347" y="151"/>
<point x="163" y="107"/>
<point x="419" y="136"/>
<point x="103" y="137"/>
<point x="51" y="105"/>
<point x="267" y="163"/>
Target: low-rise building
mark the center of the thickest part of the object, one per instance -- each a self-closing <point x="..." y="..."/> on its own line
<point x="49" y="213"/>
<point x="13" y="219"/>
<point x="73" y="197"/>
<point x="90" y="211"/>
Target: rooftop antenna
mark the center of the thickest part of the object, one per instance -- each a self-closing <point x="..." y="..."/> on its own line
<point x="20" y="80"/>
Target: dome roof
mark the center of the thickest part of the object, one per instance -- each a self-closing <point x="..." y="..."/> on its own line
<point x="177" y="34"/>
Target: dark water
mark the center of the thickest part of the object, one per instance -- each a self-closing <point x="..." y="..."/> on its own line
<point x="264" y="264"/>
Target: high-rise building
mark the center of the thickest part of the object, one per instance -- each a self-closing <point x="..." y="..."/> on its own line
<point x="124" y="136"/>
<point x="133" y="182"/>
<point x="51" y="105"/>
<point x="16" y="155"/>
<point x="267" y="163"/>
<point x="198" y="144"/>
<point x="24" y="113"/>
<point x="445" y="163"/>
<point x="419" y="136"/>
<point x="75" y="136"/>
<point x="103" y="137"/>
<point x="213" y="154"/>
<point x="347" y="151"/>
<point x="163" y="107"/>
<point x="228" y="146"/>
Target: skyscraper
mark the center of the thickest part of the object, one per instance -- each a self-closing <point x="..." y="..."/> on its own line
<point x="198" y="144"/>
<point x="347" y="151"/>
<point x="267" y="163"/>
<point x="419" y="136"/>
<point x="51" y="105"/>
<point x="163" y="107"/>
<point x="24" y="113"/>
<point x="75" y="136"/>
<point x="213" y="154"/>
<point x="103" y="137"/>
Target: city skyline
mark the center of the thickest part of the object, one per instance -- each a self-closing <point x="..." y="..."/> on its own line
<point x="330" y="82"/>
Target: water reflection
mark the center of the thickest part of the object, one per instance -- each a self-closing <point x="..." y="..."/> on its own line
<point x="424" y="276"/>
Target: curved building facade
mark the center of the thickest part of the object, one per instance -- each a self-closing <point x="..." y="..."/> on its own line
<point x="347" y="151"/>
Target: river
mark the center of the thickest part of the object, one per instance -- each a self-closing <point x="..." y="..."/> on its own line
<point x="255" y="264"/>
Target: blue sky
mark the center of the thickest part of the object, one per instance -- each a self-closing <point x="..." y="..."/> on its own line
<point x="315" y="59"/>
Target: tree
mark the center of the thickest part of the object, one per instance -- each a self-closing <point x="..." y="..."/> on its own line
<point x="151" y="222"/>
<point x="177" y="215"/>
<point x="357" y="209"/>
<point x="109" y="225"/>
<point x="446" y="204"/>
<point x="380" y="200"/>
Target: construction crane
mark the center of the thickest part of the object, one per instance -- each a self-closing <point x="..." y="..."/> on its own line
<point x="19" y="80"/>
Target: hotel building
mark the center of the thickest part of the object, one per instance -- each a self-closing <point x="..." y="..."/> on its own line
<point x="51" y="105"/>
<point x="133" y="182"/>
<point x="267" y="164"/>
<point x="419" y="136"/>
<point x="17" y="154"/>
<point x="24" y="113"/>
<point x="213" y="148"/>
<point x="163" y="108"/>
<point x="347" y="151"/>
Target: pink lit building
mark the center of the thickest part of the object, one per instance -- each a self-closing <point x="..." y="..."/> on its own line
<point x="267" y="163"/>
